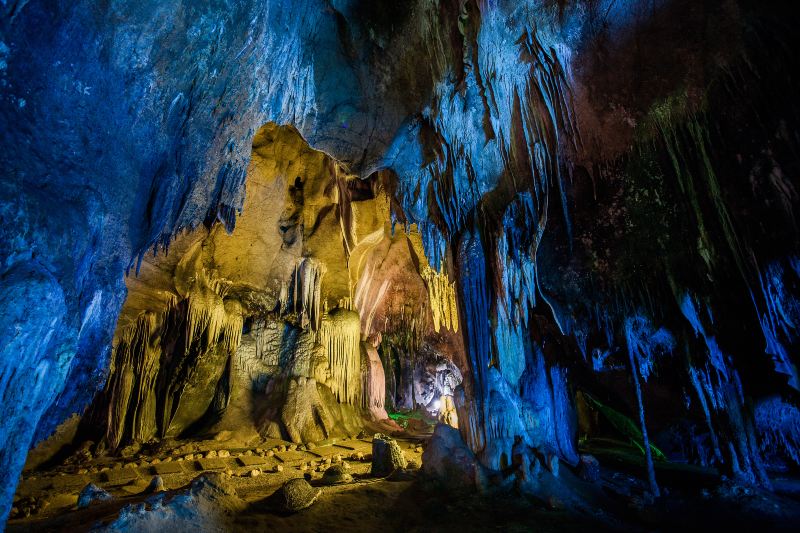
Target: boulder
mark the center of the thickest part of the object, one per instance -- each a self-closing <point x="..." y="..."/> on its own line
<point x="297" y="495"/>
<point x="448" y="459"/>
<point x="92" y="493"/>
<point x="386" y="455"/>
<point x="336" y="475"/>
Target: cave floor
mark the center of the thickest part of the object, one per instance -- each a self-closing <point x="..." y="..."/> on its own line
<point x="693" y="497"/>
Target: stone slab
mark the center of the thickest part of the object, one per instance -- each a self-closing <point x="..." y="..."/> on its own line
<point x="251" y="460"/>
<point x="213" y="463"/>
<point x="288" y="457"/>
<point x="167" y="468"/>
<point x="326" y="451"/>
<point x="119" y="476"/>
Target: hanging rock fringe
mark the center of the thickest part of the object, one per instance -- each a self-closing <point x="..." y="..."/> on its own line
<point x="442" y="296"/>
<point x="340" y="336"/>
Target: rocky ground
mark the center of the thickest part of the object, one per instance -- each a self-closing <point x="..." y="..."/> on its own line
<point x="213" y="486"/>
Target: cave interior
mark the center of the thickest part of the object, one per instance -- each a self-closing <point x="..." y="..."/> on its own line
<point x="370" y="265"/>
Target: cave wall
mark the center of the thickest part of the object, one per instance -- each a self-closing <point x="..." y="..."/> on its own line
<point x="587" y="173"/>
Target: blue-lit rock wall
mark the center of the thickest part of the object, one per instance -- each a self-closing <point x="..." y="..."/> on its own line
<point x="612" y="185"/>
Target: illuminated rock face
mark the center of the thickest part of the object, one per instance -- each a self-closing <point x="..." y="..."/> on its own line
<point x="574" y="197"/>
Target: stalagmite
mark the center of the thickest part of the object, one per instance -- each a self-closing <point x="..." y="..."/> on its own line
<point x="373" y="386"/>
<point x="340" y="335"/>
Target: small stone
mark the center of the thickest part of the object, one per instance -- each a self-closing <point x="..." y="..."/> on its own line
<point x="337" y="458"/>
<point x="418" y="449"/>
<point x="248" y="453"/>
<point x="229" y="472"/>
<point x="179" y="460"/>
<point x="223" y="453"/>
<point x="155" y="461"/>
<point x="301" y="448"/>
<point x="270" y="453"/>
<point x="167" y="460"/>
<point x="188" y="457"/>
<point x="156" y="485"/>
<point x="255" y="472"/>
<point x="292" y="447"/>
<point x="83" y="471"/>
<point x="212" y="453"/>
<point x="281" y="448"/>
<point x="327" y="460"/>
<point x="278" y="468"/>
<point x="310" y="445"/>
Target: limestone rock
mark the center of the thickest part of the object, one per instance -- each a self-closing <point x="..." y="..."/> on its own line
<point x="589" y="468"/>
<point x="336" y="475"/>
<point x="448" y="459"/>
<point x="297" y="495"/>
<point x="92" y="493"/>
<point x="156" y="485"/>
<point x="386" y="455"/>
<point x="304" y="415"/>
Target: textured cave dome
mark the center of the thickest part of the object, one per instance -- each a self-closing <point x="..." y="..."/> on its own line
<point x="565" y="231"/>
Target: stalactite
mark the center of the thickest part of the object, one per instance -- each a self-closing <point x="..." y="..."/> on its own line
<point x="232" y="326"/>
<point x="442" y="298"/>
<point x="307" y="292"/>
<point x="129" y="389"/>
<point x="340" y="335"/>
<point x="644" y="344"/>
<point x="147" y="367"/>
<point x="719" y="385"/>
<point x="205" y="314"/>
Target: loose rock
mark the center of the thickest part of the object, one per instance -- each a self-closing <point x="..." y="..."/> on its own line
<point x="298" y="495"/>
<point x="92" y="493"/>
<point x="386" y="455"/>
